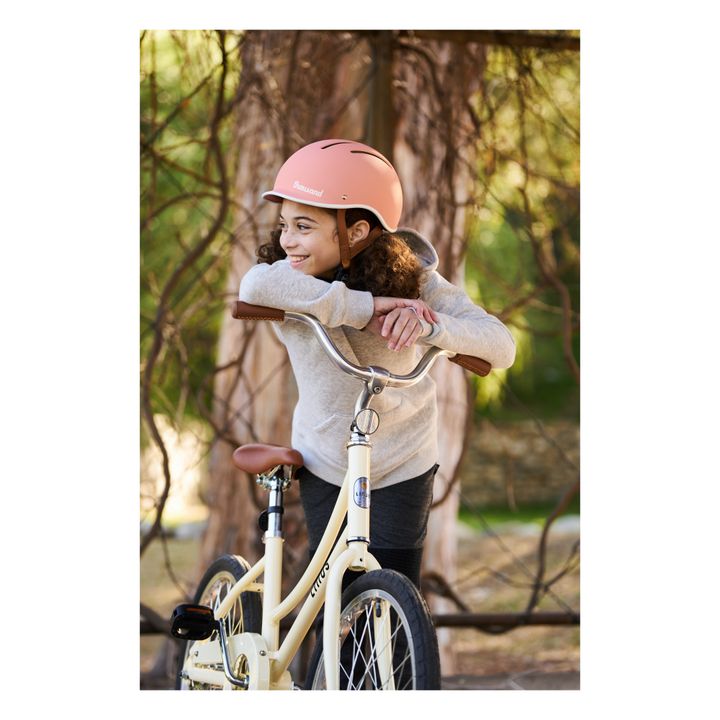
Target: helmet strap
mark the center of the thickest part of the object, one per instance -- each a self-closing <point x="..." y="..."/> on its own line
<point x="346" y="252"/>
<point x="344" y="242"/>
<point x="360" y="245"/>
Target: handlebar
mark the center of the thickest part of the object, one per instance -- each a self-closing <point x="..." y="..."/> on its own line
<point x="246" y="311"/>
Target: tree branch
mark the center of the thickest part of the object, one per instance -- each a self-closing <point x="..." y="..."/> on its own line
<point x="508" y="38"/>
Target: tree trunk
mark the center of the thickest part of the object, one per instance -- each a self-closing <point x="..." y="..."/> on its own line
<point x="434" y="155"/>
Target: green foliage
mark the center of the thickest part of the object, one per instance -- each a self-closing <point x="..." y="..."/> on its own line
<point x="536" y="514"/>
<point x="180" y="201"/>
<point x="528" y="207"/>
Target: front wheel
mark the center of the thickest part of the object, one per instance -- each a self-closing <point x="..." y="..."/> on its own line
<point x="244" y="616"/>
<point x="387" y="640"/>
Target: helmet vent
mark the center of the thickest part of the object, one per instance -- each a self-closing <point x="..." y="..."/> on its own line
<point x="341" y="142"/>
<point x="365" y="152"/>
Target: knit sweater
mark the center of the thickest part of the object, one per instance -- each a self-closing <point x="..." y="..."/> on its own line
<point x="405" y="444"/>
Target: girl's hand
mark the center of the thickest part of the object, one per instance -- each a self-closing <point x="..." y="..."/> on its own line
<point x="384" y="305"/>
<point x="401" y="321"/>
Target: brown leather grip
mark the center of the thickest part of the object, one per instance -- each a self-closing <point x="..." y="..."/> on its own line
<point x="246" y="311"/>
<point x="474" y="364"/>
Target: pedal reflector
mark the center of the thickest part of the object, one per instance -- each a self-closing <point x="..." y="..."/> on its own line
<point x="192" y="622"/>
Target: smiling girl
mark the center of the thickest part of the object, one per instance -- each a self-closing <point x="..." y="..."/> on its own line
<point x="339" y="255"/>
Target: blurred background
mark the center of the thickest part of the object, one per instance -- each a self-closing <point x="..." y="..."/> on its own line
<point x="484" y="130"/>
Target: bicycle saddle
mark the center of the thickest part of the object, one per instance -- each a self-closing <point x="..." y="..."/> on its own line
<point x="257" y="458"/>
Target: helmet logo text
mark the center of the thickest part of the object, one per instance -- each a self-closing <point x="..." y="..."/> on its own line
<point x="299" y="186"/>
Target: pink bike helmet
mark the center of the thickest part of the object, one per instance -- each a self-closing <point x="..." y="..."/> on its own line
<point x="342" y="174"/>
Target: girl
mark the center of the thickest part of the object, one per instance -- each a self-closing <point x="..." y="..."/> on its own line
<point x="339" y="255"/>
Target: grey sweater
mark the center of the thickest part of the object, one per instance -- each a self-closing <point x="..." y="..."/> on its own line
<point x="405" y="445"/>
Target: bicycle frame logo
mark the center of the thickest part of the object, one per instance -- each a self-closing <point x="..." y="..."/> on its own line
<point x="361" y="492"/>
<point x="318" y="581"/>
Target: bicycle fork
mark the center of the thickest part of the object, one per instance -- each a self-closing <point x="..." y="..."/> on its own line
<point x="355" y="557"/>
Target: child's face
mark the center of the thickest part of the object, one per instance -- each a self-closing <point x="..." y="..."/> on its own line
<point x="310" y="239"/>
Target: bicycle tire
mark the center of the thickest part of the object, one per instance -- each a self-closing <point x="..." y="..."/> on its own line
<point x="245" y="616"/>
<point x="415" y="656"/>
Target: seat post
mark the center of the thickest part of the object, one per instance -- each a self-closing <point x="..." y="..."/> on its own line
<point x="275" y="482"/>
<point x="275" y="508"/>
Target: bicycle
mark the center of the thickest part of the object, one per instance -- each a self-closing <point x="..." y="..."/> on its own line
<point x="377" y="634"/>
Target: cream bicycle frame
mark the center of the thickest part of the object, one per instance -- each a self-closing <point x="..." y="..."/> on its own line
<point x="268" y="660"/>
<point x="321" y="582"/>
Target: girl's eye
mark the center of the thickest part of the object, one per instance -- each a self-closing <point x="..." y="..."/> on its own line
<point x="303" y="227"/>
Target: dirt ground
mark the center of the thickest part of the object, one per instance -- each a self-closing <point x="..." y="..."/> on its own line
<point x="494" y="575"/>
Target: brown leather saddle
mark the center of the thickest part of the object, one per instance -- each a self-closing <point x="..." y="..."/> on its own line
<point x="258" y="458"/>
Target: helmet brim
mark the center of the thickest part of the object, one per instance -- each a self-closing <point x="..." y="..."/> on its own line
<point x="278" y="197"/>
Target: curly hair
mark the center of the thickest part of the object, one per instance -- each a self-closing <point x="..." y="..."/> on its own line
<point x="387" y="267"/>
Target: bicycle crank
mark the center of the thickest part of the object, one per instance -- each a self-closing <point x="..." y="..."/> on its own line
<point x="252" y="664"/>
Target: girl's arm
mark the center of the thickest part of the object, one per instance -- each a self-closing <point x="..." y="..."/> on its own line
<point x="279" y="286"/>
<point x="464" y="327"/>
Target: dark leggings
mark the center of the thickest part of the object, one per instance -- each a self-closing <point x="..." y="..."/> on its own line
<point x="398" y="520"/>
<point x="398" y="523"/>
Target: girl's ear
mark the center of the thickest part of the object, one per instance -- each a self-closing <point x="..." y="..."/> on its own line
<point x="359" y="231"/>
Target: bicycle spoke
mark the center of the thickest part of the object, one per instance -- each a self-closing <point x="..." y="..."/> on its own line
<point x="378" y="642"/>
<point x="371" y="669"/>
<point x="370" y="672"/>
<point x="356" y="650"/>
<point x="373" y="650"/>
<point x="392" y="641"/>
<point x="399" y="668"/>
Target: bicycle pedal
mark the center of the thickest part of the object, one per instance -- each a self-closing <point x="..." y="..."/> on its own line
<point x="192" y="622"/>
